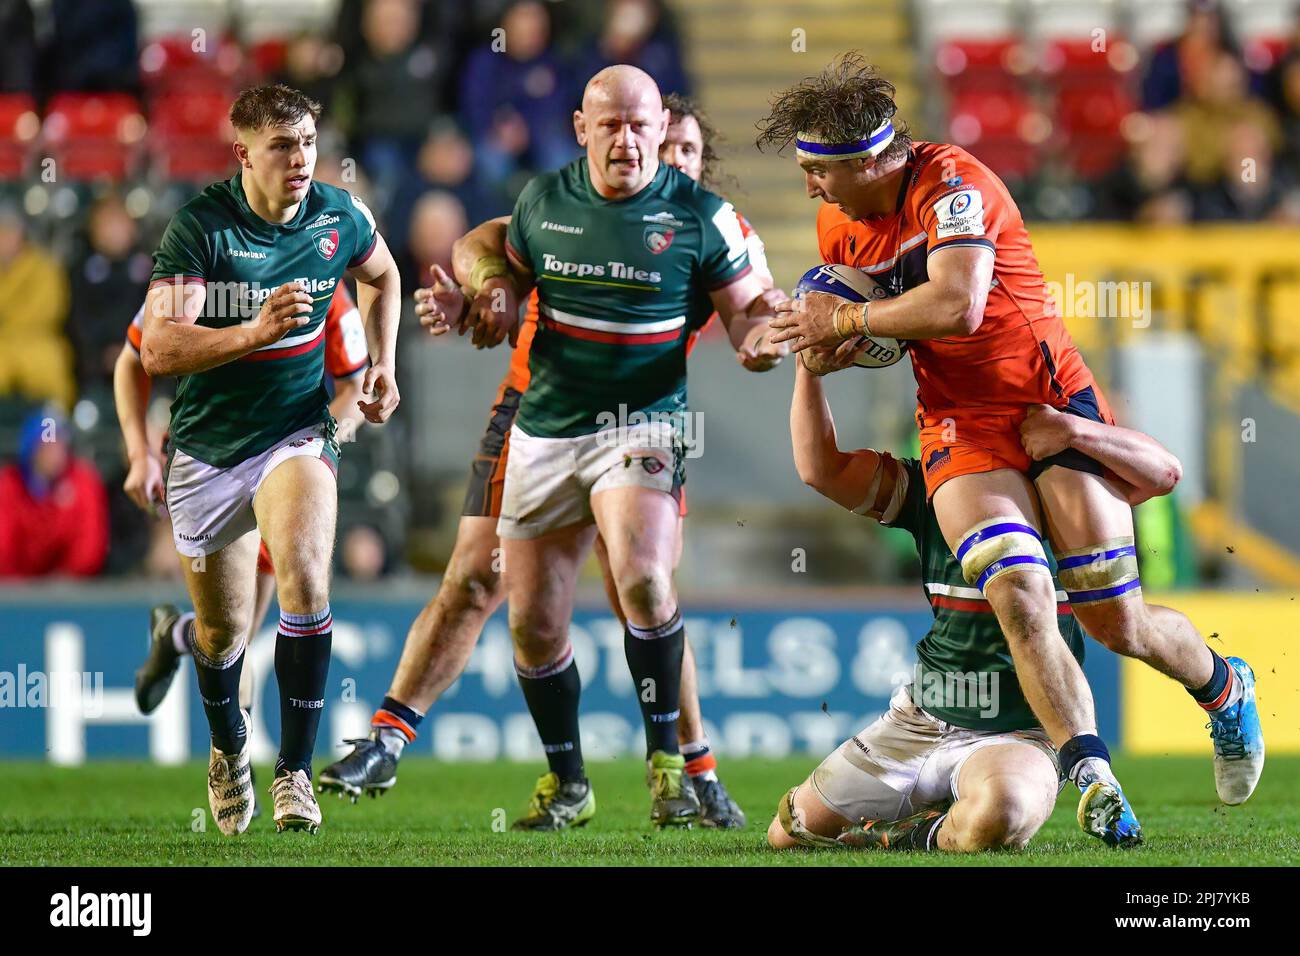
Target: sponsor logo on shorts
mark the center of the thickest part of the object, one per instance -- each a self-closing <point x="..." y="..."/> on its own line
<point x="652" y="466"/>
<point x="193" y="537"/>
<point x="327" y="243"/>
<point x="940" y="456"/>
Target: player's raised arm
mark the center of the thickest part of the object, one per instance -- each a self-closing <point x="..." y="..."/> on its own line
<point x="746" y="308"/>
<point x="854" y="480"/>
<point x="379" y="300"/>
<point x="493" y="280"/>
<point x="1145" y="467"/>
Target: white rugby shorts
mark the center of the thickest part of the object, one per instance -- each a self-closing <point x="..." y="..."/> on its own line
<point x="906" y="761"/>
<point x="210" y="507"/>
<point x="549" y="481"/>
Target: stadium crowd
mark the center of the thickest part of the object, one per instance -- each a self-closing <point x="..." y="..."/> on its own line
<point x="437" y="112"/>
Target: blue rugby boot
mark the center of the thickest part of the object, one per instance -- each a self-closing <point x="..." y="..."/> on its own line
<point x="1238" y="740"/>
<point x="1104" y="812"/>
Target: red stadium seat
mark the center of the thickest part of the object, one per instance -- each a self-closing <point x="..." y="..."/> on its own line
<point x="190" y="136"/>
<point x="1077" y="60"/>
<point x="172" y="63"/>
<point x="94" y="135"/>
<point x="1089" y="120"/>
<point x="1000" y="127"/>
<point x="20" y="125"/>
<point x="268" y="56"/>
<point x="979" y="114"/>
<point x="964" y="61"/>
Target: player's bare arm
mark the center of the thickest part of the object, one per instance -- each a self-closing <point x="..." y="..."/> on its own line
<point x="950" y="304"/>
<point x="746" y="308"/>
<point x="843" y="477"/>
<point x="1145" y="467"/>
<point x="172" y="343"/>
<point x="494" y="283"/>
<point x="379" y="300"/>
<point x="131" y="390"/>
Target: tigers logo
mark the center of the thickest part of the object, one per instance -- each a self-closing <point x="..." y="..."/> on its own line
<point x="327" y="243"/>
<point x="657" y="238"/>
<point x="652" y="466"/>
<point x="939" y="456"/>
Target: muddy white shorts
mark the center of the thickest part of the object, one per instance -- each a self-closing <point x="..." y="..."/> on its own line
<point x="550" y="481"/>
<point x="210" y="507"/>
<point x="906" y="761"/>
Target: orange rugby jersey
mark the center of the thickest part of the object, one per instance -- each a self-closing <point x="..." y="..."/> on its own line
<point x="346" y="352"/>
<point x="518" y="376"/>
<point x="1021" y="354"/>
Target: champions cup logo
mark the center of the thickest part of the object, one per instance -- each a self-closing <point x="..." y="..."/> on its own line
<point x="327" y="243"/>
<point x="657" y="238"/>
<point x="961" y="204"/>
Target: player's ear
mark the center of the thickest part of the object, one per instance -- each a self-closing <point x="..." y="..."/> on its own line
<point x="580" y="127"/>
<point x="241" y="154"/>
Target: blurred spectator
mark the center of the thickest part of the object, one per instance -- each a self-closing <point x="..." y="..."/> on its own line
<point x="18" y="57"/>
<point x="1250" y="187"/>
<point x="390" y="85"/>
<point x="109" y="272"/>
<point x="35" y="359"/>
<point x="311" y="64"/>
<point x="445" y="162"/>
<point x="635" y="32"/>
<point x="55" y="515"/>
<point x="1149" y="186"/>
<point x="363" y="555"/>
<point x="437" y="220"/>
<point x="1217" y="99"/>
<point x="1286" y="101"/>
<point x="93" y="47"/>
<point x="1177" y="64"/>
<point x="514" y="98"/>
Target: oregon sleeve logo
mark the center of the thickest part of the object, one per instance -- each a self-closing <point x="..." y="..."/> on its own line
<point x="327" y="243"/>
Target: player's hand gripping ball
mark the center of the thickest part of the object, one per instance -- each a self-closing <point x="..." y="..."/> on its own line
<point x="852" y="285"/>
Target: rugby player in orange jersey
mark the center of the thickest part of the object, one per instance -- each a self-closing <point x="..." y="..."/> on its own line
<point x="346" y="361"/>
<point x="940" y="233"/>
<point x="442" y="638"/>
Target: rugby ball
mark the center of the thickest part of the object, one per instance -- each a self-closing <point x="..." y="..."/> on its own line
<point x="856" y="286"/>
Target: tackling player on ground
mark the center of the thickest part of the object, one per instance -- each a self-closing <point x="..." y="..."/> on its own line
<point x="941" y="234"/>
<point x="443" y="637"/>
<point x="346" y="360"/>
<point x="950" y="766"/>
<point x="253" y="448"/>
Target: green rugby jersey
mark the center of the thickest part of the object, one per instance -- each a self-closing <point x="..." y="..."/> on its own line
<point x="620" y="284"/>
<point x="964" y="673"/>
<point x="237" y="410"/>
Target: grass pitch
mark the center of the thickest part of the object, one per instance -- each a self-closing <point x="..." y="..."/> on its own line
<point x="115" y="814"/>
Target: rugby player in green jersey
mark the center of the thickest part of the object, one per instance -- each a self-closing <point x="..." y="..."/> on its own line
<point x="958" y="762"/>
<point x="627" y="255"/>
<point x="242" y="281"/>
<point x="443" y="636"/>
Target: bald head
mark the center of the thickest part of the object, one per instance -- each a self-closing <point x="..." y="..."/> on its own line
<point x="622" y="124"/>
<point x="621" y="84"/>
